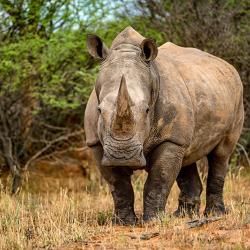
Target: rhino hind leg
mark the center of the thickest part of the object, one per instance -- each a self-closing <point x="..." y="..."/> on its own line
<point x="218" y="161"/>
<point x="119" y="180"/>
<point x="190" y="186"/>
<point x="215" y="183"/>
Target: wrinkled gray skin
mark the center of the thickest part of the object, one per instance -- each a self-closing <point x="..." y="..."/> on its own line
<point x="162" y="109"/>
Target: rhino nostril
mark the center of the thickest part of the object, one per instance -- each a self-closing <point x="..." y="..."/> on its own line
<point x="99" y="110"/>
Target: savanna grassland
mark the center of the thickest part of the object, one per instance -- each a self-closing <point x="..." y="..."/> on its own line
<point x="53" y="212"/>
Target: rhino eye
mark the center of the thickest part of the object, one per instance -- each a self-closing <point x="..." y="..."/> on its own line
<point x="147" y="110"/>
<point x="99" y="110"/>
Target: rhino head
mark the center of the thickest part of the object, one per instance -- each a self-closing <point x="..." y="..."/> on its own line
<point x="126" y="89"/>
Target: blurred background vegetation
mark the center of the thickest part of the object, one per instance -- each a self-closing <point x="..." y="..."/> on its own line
<point x="46" y="74"/>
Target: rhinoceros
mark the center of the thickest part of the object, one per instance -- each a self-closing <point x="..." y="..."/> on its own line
<point x="162" y="109"/>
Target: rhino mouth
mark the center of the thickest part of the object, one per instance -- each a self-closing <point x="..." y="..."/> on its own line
<point x="122" y="153"/>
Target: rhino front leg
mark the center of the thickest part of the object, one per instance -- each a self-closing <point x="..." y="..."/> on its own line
<point x="123" y="195"/>
<point x="164" y="165"/>
<point x="119" y="180"/>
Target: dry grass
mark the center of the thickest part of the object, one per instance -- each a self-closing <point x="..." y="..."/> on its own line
<point x="70" y="213"/>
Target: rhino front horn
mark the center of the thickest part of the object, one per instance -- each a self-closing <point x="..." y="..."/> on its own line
<point x="123" y="100"/>
<point x="123" y="122"/>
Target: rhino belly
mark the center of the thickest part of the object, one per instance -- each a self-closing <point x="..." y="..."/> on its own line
<point x="206" y="137"/>
<point x="199" y="150"/>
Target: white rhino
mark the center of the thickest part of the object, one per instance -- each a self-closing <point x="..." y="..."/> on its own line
<point x="162" y="109"/>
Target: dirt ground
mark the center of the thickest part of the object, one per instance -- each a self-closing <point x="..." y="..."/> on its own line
<point x="67" y="211"/>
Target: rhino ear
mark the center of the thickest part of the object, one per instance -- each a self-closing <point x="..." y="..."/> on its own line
<point x="96" y="47"/>
<point x="149" y="49"/>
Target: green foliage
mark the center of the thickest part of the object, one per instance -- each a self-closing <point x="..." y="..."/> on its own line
<point x="66" y="81"/>
<point x="55" y="69"/>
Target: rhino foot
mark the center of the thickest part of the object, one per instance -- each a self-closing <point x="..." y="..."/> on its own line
<point x="154" y="217"/>
<point x="147" y="218"/>
<point x="215" y="210"/>
<point x="130" y="220"/>
<point x="187" y="209"/>
<point x="215" y="206"/>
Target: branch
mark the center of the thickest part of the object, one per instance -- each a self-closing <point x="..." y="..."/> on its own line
<point x="6" y="142"/>
<point x="54" y="154"/>
<point x="49" y="145"/>
<point x="8" y="153"/>
<point x="52" y="127"/>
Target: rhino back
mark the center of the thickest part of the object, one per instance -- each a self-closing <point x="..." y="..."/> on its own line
<point x="205" y="95"/>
